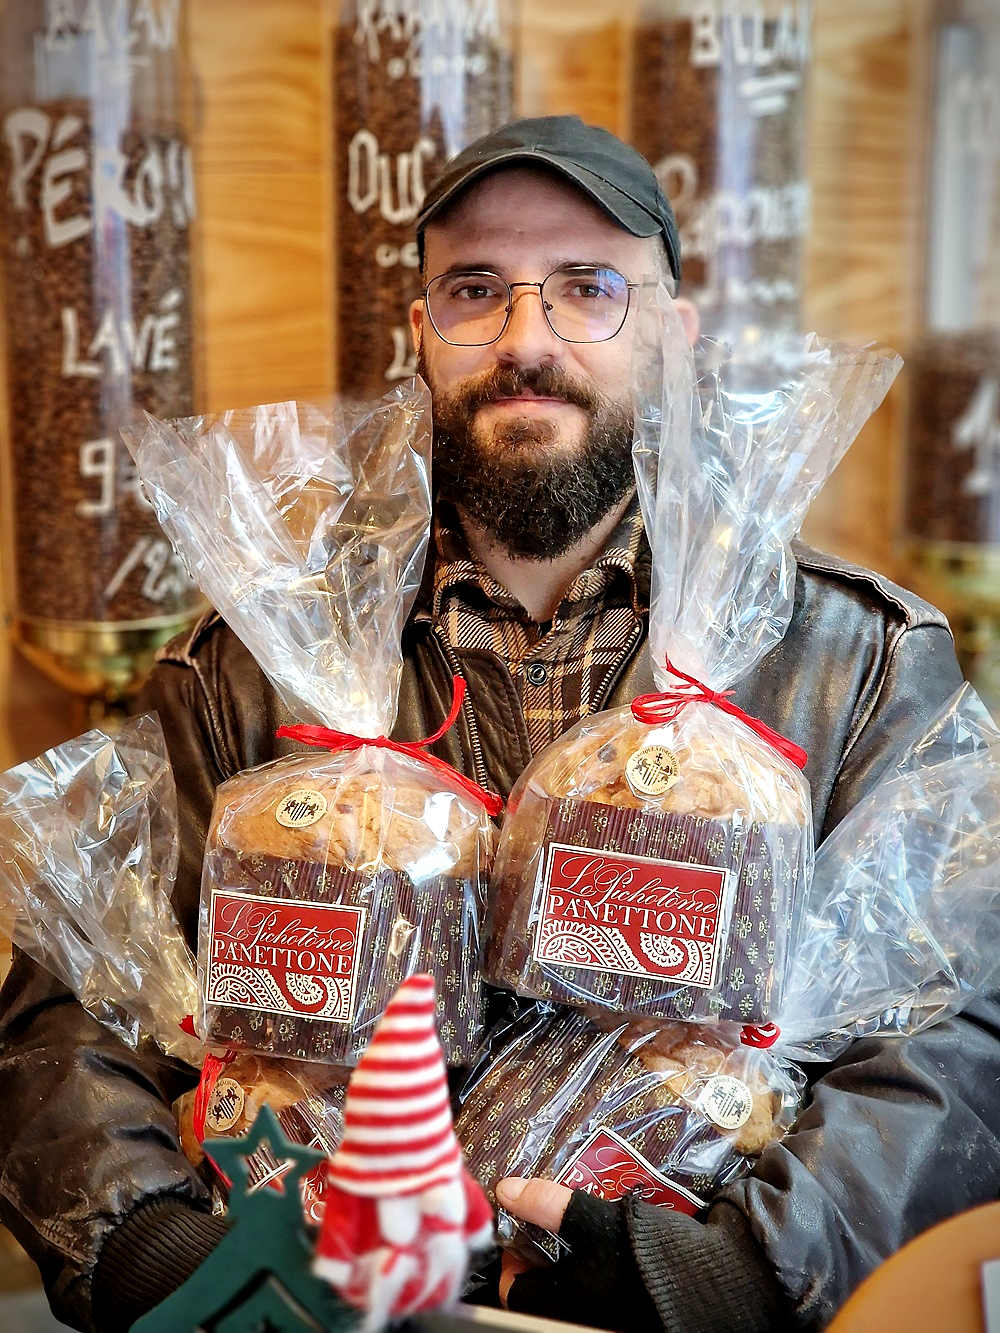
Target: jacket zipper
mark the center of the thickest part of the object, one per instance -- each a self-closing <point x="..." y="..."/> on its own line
<point x="478" y="760"/>
<point x="617" y="672"/>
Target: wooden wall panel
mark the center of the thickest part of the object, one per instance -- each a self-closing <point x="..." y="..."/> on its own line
<point x="261" y="92"/>
<point x="572" y="61"/>
<point x="868" y="106"/>
<point x="265" y="275"/>
<point x="260" y="73"/>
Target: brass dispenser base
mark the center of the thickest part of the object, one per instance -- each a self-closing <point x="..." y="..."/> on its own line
<point x="103" y="663"/>
<point x="963" y="579"/>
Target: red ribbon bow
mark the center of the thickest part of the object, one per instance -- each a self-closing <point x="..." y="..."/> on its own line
<point x="329" y="739"/>
<point x="210" y="1071"/>
<point x="760" y="1035"/>
<point x="654" y="709"/>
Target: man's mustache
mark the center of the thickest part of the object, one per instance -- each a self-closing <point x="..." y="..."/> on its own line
<point x="542" y="381"/>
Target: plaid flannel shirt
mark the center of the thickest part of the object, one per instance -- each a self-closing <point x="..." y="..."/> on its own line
<point x="560" y="668"/>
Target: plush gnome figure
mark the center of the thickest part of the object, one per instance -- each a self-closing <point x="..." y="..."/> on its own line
<point x="402" y="1213"/>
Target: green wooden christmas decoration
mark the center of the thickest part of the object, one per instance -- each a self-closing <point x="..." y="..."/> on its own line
<point x="259" y="1277"/>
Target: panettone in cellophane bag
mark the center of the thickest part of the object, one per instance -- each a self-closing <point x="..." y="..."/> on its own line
<point x="670" y="1112"/>
<point x="333" y="873"/>
<point x="900" y="923"/>
<point x="650" y="859"/>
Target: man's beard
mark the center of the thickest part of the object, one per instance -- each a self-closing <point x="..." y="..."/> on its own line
<point x="538" y="506"/>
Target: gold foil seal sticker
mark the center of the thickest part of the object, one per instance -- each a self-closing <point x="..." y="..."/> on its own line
<point x="300" y="808"/>
<point x="651" y="771"/>
<point x="727" y="1101"/>
<point x="226" y="1106"/>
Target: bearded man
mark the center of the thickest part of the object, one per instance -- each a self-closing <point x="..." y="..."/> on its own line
<point x="534" y="241"/>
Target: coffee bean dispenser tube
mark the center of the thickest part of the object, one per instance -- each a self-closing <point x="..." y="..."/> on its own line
<point x="950" y="513"/>
<point x="414" y="81"/>
<point x="96" y="206"/>
<point x="717" y="102"/>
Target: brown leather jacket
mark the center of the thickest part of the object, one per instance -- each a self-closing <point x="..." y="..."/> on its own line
<point x="898" y="1134"/>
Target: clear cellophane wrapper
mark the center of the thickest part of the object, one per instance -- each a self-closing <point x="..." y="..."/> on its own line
<point x="329" y="876"/>
<point x="900" y="925"/>
<point x="668" y="1111"/>
<point x="88" y="857"/>
<point x="651" y="859"/>
<point x="676" y="906"/>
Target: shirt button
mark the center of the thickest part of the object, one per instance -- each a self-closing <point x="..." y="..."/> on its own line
<point x="537" y="674"/>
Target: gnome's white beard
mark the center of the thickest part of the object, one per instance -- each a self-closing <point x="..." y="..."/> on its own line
<point x="424" y="1243"/>
<point x="439" y="1263"/>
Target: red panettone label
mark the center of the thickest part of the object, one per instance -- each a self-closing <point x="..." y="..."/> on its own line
<point x="283" y="956"/>
<point x="632" y="915"/>
<point x="609" y="1167"/>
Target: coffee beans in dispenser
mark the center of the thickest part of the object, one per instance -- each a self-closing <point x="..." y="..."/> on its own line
<point x="414" y="81"/>
<point x="717" y="103"/>
<point x="96" y="203"/>
<point x="951" y="481"/>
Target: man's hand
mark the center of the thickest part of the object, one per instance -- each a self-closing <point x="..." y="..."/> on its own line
<point x="540" y="1201"/>
<point x="596" y="1282"/>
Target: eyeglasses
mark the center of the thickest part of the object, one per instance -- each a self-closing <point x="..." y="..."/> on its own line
<point x="581" y="304"/>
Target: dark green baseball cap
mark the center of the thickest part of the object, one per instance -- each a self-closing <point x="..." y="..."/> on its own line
<point x="611" y="172"/>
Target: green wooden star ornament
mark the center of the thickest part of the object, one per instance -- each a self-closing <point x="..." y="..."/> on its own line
<point x="259" y="1278"/>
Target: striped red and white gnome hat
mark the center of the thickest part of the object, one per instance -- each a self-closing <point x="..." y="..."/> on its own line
<point x="398" y="1132"/>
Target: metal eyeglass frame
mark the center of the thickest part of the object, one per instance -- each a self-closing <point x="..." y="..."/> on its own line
<point x="630" y="287"/>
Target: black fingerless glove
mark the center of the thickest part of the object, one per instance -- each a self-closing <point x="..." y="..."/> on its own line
<point x="631" y="1266"/>
<point x="596" y="1281"/>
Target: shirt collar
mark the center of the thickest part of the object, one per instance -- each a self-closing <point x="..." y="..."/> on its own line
<point x="455" y="565"/>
